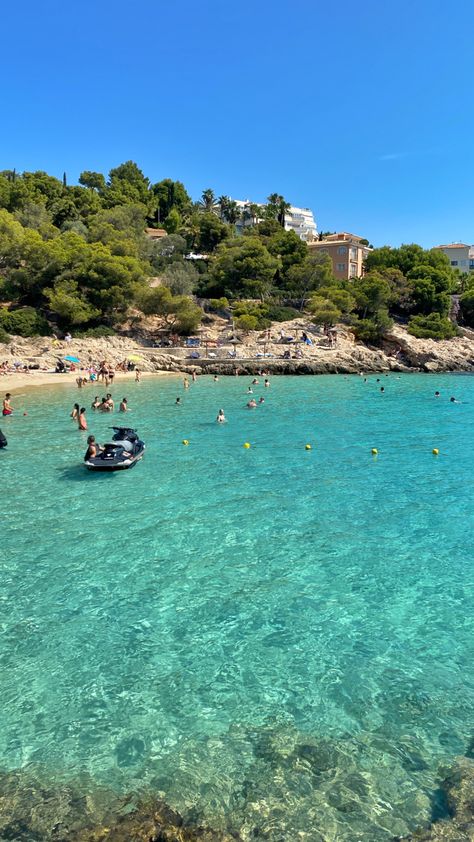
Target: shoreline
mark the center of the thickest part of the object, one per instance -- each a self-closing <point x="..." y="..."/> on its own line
<point x="14" y="381"/>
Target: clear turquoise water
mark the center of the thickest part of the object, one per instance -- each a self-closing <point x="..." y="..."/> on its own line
<point x="274" y="639"/>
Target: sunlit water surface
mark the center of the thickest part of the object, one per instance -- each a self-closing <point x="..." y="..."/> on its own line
<point x="276" y="640"/>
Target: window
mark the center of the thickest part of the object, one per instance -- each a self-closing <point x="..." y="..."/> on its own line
<point x="341" y="267"/>
<point x="454" y="263"/>
<point x="353" y="254"/>
<point x="342" y="250"/>
<point x="353" y="270"/>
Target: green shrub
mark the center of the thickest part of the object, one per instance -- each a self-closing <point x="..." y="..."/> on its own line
<point x="246" y="322"/>
<point x="372" y="330"/>
<point x="96" y="332"/>
<point x="281" y="314"/>
<point x="434" y="326"/>
<point x="24" y="322"/>
<point x="4" y="336"/>
<point x="219" y="303"/>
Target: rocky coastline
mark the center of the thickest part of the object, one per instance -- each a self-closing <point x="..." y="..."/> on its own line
<point x="400" y="353"/>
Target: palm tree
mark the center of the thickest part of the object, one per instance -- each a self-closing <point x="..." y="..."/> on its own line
<point x="208" y="200"/>
<point x="223" y="202"/>
<point x="229" y="209"/>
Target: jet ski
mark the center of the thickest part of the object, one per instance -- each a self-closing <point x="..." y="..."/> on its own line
<point x="3" y="441"/>
<point x="124" y="451"/>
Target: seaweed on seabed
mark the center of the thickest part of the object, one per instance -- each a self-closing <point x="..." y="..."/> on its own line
<point x="34" y="810"/>
<point x="458" y="824"/>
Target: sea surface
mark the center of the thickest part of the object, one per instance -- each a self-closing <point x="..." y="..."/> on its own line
<point x="278" y="641"/>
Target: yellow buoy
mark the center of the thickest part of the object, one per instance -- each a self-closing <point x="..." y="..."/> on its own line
<point x="435" y="451"/>
<point x="185" y="441"/>
<point x="307" y="447"/>
<point x="374" y="451"/>
<point x="246" y="445"/>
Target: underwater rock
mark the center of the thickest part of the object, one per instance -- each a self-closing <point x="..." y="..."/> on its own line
<point x="458" y="788"/>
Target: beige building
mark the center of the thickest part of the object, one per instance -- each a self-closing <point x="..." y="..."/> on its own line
<point x="347" y="252"/>
<point x="460" y="256"/>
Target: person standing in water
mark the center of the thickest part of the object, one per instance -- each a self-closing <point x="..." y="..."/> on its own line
<point x="75" y="412"/>
<point x="186" y="383"/>
<point x="82" y="419"/>
<point x="194" y="377"/>
<point x="123" y="405"/>
<point x="7" y="407"/>
<point x="95" y="403"/>
<point x="137" y="375"/>
<point x="221" y="419"/>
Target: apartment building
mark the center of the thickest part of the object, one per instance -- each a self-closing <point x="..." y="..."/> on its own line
<point x="299" y="220"/>
<point x="460" y="256"/>
<point x="347" y="252"/>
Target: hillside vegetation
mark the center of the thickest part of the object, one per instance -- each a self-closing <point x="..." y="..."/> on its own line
<point x="76" y="257"/>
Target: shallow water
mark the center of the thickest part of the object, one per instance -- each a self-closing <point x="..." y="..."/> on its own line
<point x="275" y="640"/>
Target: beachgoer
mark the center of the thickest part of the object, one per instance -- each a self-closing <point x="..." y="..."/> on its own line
<point x="216" y="379"/>
<point x="178" y="402"/>
<point x="75" y="412"/>
<point x="250" y="390"/>
<point x="82" y="419"/>
<point x="92" y="448"/>
<point x="262" y="400"/>
<point x="221" y="419"/>
<point x="267" y="383"/>
<point x="437" y="395"/>
<point x="104" y="405"/>
<point x="186" y="383"/>
<point x="111" y="375"/>
<point x="382" y="389"/>
<point x="137" y="375"/>
<point x="254" y="382"/>
<point x="252" y="403"/>
<point x="7" y="407"/>
<point x="453" y="400"/>
<point x="123" y="405"/>
<point x="110" y="402"/>
<point x="79" y="382"/>
<point x="194" y="377"/>
<point x="68" y="338"/>
<point x="95" y="403"/>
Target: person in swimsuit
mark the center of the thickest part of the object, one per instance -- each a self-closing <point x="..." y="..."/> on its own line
<point x="75" y="412"/>
<point x="91" y="448"/>
<point x="221" y="419"/>
<point x="82" y="419"/>
<point x="96" y="403"/>
<point x="137" y="375"/>
<point x="123" y="405"/>
<point x="7" y="407"/>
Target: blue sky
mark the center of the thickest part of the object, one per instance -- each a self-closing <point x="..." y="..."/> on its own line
<point x="361" y="111"/>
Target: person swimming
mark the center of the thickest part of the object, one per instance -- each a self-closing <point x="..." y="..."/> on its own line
<point x="216" y="379"/>
<point x="221" y="419"/>
<point x="250" y="390"/>
<point x="453" y="400"/>
<point x="178" y="402"/>
<point x="267" y="383"/>
<point x="261" y="400"/>
<point x="252" y="403"/>
<point x="254" y="382"/>
<point x="437" y="394"/>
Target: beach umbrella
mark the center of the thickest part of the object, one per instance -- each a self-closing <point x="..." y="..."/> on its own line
<point x="72" y="359"/>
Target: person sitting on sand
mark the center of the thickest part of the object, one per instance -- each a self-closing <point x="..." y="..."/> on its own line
<point x="7" y="407"/>
<point x="82" y="419"/>
<point x="123" y="405"/>
<point x="221" y="419"/>
<point x="75" y="412"/>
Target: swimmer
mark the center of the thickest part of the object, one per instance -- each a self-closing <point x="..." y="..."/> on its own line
<point x="437" y="394"/>
<point x="267" y="383"/>
<point x="95" y="403"/>
<point x="453" y="400"/>
<point x="382" y="389"/>
<point x="261" y="400"/>
<point x="194" y="377"/>
<point x="138" y="374"/>
<point x="221" y="419"/>
<point x="186" y="383"/>
<point x="7" y="407"/>
<point x="75" y="412"/>
<point x="82" y="419"/>
<point x="178" y="402"/>
<point x="250" y="390"/>
<point x="123" y="405"/>
<point x="252" y="404"/>
<point x="254" y="382"/>
<point x="216" y="379"/>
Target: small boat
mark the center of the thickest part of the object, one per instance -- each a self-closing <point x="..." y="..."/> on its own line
<point x="3" y="441"/>
<point x="124" y="451"/>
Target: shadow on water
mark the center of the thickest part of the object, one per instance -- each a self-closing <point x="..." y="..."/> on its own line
<point x="78" y="473"/>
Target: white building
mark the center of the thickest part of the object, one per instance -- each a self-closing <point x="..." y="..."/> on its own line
<point x="460" y="256"/>
<point x="299" y="220"/>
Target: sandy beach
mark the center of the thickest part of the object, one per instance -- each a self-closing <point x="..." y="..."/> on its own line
<point x="14" y="381"/>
